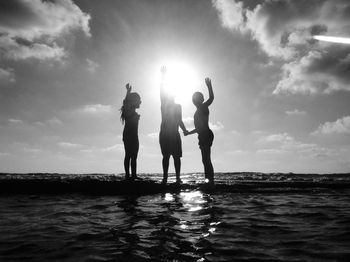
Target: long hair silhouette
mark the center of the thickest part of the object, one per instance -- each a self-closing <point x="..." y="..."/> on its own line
<point x="130" y="119"/>
<point x="130" y="103"/>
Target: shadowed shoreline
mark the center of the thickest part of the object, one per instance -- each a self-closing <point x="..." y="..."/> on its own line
<point x="111" y="185"/>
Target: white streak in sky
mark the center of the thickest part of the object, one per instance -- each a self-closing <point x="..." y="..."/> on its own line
<point x="332" y="39"/>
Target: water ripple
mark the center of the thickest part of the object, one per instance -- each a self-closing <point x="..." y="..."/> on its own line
<point x="184" y="226"/>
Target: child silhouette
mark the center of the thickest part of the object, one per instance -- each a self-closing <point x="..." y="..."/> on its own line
<point x="169" y="136"/>
<point x="130" y="119"/>
<point x="201" y="124"/>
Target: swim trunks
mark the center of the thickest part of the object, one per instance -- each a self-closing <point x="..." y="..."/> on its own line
<point x="205" y="138"/>
<point x="170" y="144"/>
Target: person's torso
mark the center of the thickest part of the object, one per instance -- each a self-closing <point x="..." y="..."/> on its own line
<point x="171" y="118"/>
<point x="201" y="118"/>
<point x="131" y="124"/>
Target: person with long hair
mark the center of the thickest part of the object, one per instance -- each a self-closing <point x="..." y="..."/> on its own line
<point x="201" y="124"/>
<point x="130" y="119"/>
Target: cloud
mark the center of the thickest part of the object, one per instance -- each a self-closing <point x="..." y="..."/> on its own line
<point x="271" y="151"/>
<point x="295" y="112"/>
<point x="4" y="154"/>
<point x="284" y="143"/>
<point x="68" y="145"/>
<point x="113" y="148"/>
<point x="39" y="123"/>
<point x="96" y="109"/>
<point x="281" y="137"/>
<point x="188" y="120"/>
<point x="34" y="28"/>
<point x="216" y="126"/>
<point x="231" y="13"/>
<point x="317" y="71"/>
<point x="91" y="65"/>
<point x="340" y="126"/>
<point x="54" y="122"/>
<point x="32" y="150"/>
<point x="7" y="75"/>
<point x="116" y="148"/>
<point x="284" y="31"/>
<point x="15" y="121"/>
<point x="237" y="152"/>
<point x="15" y="51"/>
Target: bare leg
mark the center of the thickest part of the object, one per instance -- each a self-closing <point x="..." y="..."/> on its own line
<point x="208" y="166"/>
<point x="126" y="166"/>
<point x="165" y="163"/>
<point x="133" y="167"/>
<point x="177" y="164"/>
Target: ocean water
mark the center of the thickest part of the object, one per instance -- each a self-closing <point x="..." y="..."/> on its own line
<point x="190" y="225"/>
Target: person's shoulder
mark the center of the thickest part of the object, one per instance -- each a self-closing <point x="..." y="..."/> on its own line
<point x="178" y="106"/>
<point x="165" y="101"/>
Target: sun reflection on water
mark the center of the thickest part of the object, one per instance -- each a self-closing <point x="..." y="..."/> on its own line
<point x="194" y="218"/>
<point x="200" y="216"/>
<point x="168" y="197"/>
<point x="192" y="200"/>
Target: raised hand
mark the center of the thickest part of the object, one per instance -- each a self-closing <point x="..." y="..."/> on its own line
<point x="211" y="93"/>
<point x="163" y="70"/>
<point x="128" y="87"/>
<point x="208" y="82"/>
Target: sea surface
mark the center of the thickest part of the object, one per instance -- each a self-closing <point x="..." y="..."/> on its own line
<point x="190" y="225"/>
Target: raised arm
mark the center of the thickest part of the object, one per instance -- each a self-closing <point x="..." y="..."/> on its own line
<point x="211" y="93"/>
<point x="128" y="89"/>
<point x="162" y="88"/>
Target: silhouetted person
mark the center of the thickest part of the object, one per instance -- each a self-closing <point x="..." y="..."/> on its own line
<point x="201" y="124"/>
<point x="130" y="118"/>
<point x="169" y="136"/>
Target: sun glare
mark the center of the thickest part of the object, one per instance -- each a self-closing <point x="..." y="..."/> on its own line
<point x="181" y="80"/>
<point x="332" y="39"/>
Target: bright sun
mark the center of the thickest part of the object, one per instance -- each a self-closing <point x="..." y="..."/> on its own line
<point x="181" y="80"/>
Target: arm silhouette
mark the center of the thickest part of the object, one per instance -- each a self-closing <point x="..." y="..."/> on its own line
<point x="194" y="131"/>
<point x="181" y="123"/>
<point x="211" y="93"/>
<point x="162" y="88"/>
<point x="128" y="89"/>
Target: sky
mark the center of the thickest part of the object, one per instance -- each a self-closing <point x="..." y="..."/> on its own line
<point x="281" y="97"/>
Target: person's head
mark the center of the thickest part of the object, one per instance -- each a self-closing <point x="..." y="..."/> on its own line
<point x="133" y="101"/>
<point x="197" y="99"/>
<point x="130" y="103"/>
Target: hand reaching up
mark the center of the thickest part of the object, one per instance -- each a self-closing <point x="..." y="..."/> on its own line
<point x="128" y="87"/>
<point x="163" y="70"/>
<point x="208" y="82"/>
<point x="210" y="90"/>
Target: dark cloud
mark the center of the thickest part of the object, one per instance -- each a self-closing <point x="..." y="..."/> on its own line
<point x="32" y="28"/>
<point x="284" y="30"/>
